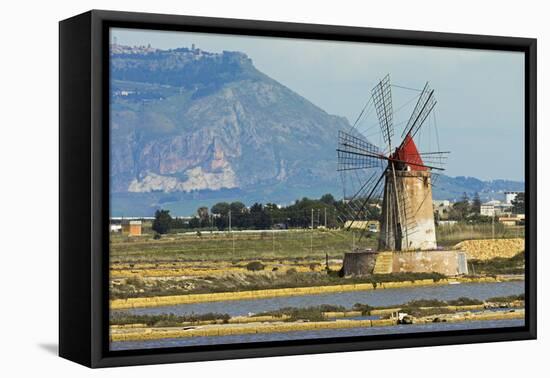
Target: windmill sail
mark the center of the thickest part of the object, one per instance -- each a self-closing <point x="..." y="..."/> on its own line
<point x="425" y="104"/>
<point x="355" y="152"/>
<point x="381" y="95"/>
<point x="357" y="206"/>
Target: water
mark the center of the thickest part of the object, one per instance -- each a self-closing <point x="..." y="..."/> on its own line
<point x="318" y="334"/>
<point x="385" y="297"/>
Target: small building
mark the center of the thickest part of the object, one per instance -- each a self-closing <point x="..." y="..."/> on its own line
<point x="117" y="227"/>
<point x="441" y="203"/>
<point x="495" y="208"/>
<point x="283" y="226"/>
<point x="487" y="209"/>
<point x="510" y="196"/>
<point x="442" y="209"/>
<point x="132" y="228"/>
<point x="512" y="220"/>
<point x="447" y="222"/>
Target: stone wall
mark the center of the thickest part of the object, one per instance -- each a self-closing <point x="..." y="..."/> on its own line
<point x="359" y="263"/>
<point x="449" y="263"/>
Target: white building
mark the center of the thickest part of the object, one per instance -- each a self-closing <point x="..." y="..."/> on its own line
<point x="441" y="203"/>
<point x="446" y="222"/>
<point x="510" y="196"/>
<point x="116" y="227"/>
<point x="495" y="208"/>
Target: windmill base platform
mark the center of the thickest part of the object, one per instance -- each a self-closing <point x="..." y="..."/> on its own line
<point x="364" y="263"/>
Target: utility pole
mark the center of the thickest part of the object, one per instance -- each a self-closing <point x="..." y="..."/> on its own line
<point x="493" y="225"/>
<point x="311" y="238"/>
<point x="273" y="240"/>
<point x="231" y="233"/>
<point x="325" y="217"/>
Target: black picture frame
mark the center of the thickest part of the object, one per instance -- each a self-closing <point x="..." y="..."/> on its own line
<point x="84" y="186"/>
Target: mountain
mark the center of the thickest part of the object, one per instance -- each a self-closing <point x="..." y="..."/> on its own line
<point x="190" y="128"/>
<point x="453" y="188"/>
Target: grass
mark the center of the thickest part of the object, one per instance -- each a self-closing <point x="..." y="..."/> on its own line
<point x="499" y="265"/>
<point x="237" y="246"/>
<point x="137" y="287"/>
<point x="293" y="244"/>
<point x="294" y="258"/>
<point x="509" y="298"/>
<point x="426" y="307"/>
<point x="364" y="308"/>
<point x="165" y="320"/>
<point x="312" y="313"/>
<point x="448" y="236"/>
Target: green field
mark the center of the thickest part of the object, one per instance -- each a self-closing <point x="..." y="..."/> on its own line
<point x="237" y="246"/>
<point x="265" y="245"/>
<point x="143" y="266"/>
<point x="448" y="236"/>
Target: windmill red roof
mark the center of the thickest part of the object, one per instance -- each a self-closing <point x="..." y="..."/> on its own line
<point x="408" y="153"/>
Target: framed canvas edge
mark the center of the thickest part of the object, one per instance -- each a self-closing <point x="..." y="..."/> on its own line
<point x="100" y="357"/>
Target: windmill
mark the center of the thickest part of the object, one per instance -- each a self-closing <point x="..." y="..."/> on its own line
<point x="398" y="173"/>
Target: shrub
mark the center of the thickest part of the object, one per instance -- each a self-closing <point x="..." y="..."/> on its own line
<point x="364" y="308"/>
<point x="255" y="266"/>
<point x="314" y="266"/>
<point x="291" y="271"/>
<point x="499" y="265"/>
<point x="464" y="301"/>
<point x="162" y="222"/>
<point x="156" y="236"/>
<point x="135" y="281"/>
<point x="313" y="313"/>
<point x="164" y="320"/>
<point x="509" y="298"/>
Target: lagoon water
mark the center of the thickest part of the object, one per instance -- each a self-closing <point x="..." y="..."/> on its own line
<point x="318" y="334"/>
<point x="384" y="297"/>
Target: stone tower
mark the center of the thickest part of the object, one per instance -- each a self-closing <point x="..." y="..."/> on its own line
<point x="407" y="209"/>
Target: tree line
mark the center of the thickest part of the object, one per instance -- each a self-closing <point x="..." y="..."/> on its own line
<point x="303" y="213"/>
<point x="467" y="209"/>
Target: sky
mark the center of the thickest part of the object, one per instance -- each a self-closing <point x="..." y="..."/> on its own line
<point x="479" y="115"/>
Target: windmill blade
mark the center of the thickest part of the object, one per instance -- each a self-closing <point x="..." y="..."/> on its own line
<point x="352" y="209"/>
<point x="355" y="152"/>
<point x="360" y="204"/>
<point x="424" y="106"/>
<point x="374" y="200"/>
<point x="381" y="95"/>
<point x="437" y="159"/>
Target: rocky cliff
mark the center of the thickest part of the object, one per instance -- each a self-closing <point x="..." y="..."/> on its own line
<point x="185" y="120"/>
